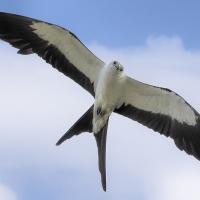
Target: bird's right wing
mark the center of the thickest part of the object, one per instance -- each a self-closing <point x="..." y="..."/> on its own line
<point x="163" y="111"/>
<point x="58" y="46"/>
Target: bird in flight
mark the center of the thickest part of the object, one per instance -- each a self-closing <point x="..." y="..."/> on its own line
<point x="158" y="108"/>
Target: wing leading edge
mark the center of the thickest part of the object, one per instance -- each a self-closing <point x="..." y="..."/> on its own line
<point x="58" y="46"/>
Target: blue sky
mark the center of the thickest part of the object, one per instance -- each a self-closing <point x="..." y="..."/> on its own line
<point x="117" y="23"/>
<point x="158" y="43"/>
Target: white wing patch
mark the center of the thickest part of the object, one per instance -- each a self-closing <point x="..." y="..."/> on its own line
<point x="72" y="48"/>
<point x="157" y="100"/>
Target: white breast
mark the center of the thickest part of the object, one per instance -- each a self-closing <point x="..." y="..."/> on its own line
<point x="107" y="95"/>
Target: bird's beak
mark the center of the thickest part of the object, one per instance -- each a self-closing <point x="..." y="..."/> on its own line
<point x="119" y="68"/>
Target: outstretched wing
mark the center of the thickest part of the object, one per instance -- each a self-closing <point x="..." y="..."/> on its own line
<point x="58" y="46"/>
<point x="163" y="111"/>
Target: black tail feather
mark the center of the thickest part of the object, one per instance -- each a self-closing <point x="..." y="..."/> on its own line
<point x="84" y="124"/>
<point x="101" y="145"/>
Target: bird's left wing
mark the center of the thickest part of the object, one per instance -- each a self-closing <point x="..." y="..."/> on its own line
<point x="58" y="46"/>
<point x="163" y="111"/>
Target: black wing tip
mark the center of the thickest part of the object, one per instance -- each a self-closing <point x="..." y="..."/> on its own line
<point x="7" y="14"/>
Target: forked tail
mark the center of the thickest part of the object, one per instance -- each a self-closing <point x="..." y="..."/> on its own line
<point x="84" y="124"/>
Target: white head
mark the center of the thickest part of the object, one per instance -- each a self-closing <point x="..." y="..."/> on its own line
<point x="115" y="65"/>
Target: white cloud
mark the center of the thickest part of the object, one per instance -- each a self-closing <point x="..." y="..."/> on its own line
<point x="182" y="185"/>
<point x="38" y="104"/>
<point x="6" y="193"/>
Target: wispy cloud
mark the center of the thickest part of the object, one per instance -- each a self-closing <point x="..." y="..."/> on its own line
<point x="6" y="193"/>
<point x="181" y="184"/>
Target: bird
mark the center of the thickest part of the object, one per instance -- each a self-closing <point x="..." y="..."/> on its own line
<point x="157" y="108"/>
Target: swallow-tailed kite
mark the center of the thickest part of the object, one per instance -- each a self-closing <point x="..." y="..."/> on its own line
<point x="157" y="108"/>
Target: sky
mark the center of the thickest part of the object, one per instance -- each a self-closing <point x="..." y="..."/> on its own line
<point x="158" y="43"/>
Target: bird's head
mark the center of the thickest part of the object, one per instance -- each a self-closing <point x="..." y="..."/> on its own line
<point x="116" y="66"/>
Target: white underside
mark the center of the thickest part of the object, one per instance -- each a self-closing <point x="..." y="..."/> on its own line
<point x="107" y="96"/>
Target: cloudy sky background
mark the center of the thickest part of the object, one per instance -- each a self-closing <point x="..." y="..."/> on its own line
<point x="158" y="44"/>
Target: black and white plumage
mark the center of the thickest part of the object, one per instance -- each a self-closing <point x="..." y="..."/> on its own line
<point x="157" y="108"/>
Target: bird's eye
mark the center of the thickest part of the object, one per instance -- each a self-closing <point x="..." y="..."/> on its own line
<point x="114" y="63"/>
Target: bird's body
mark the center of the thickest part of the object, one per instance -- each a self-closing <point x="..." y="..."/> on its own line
<point x="157" y="108"/>
<point x="108" y="94"/>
